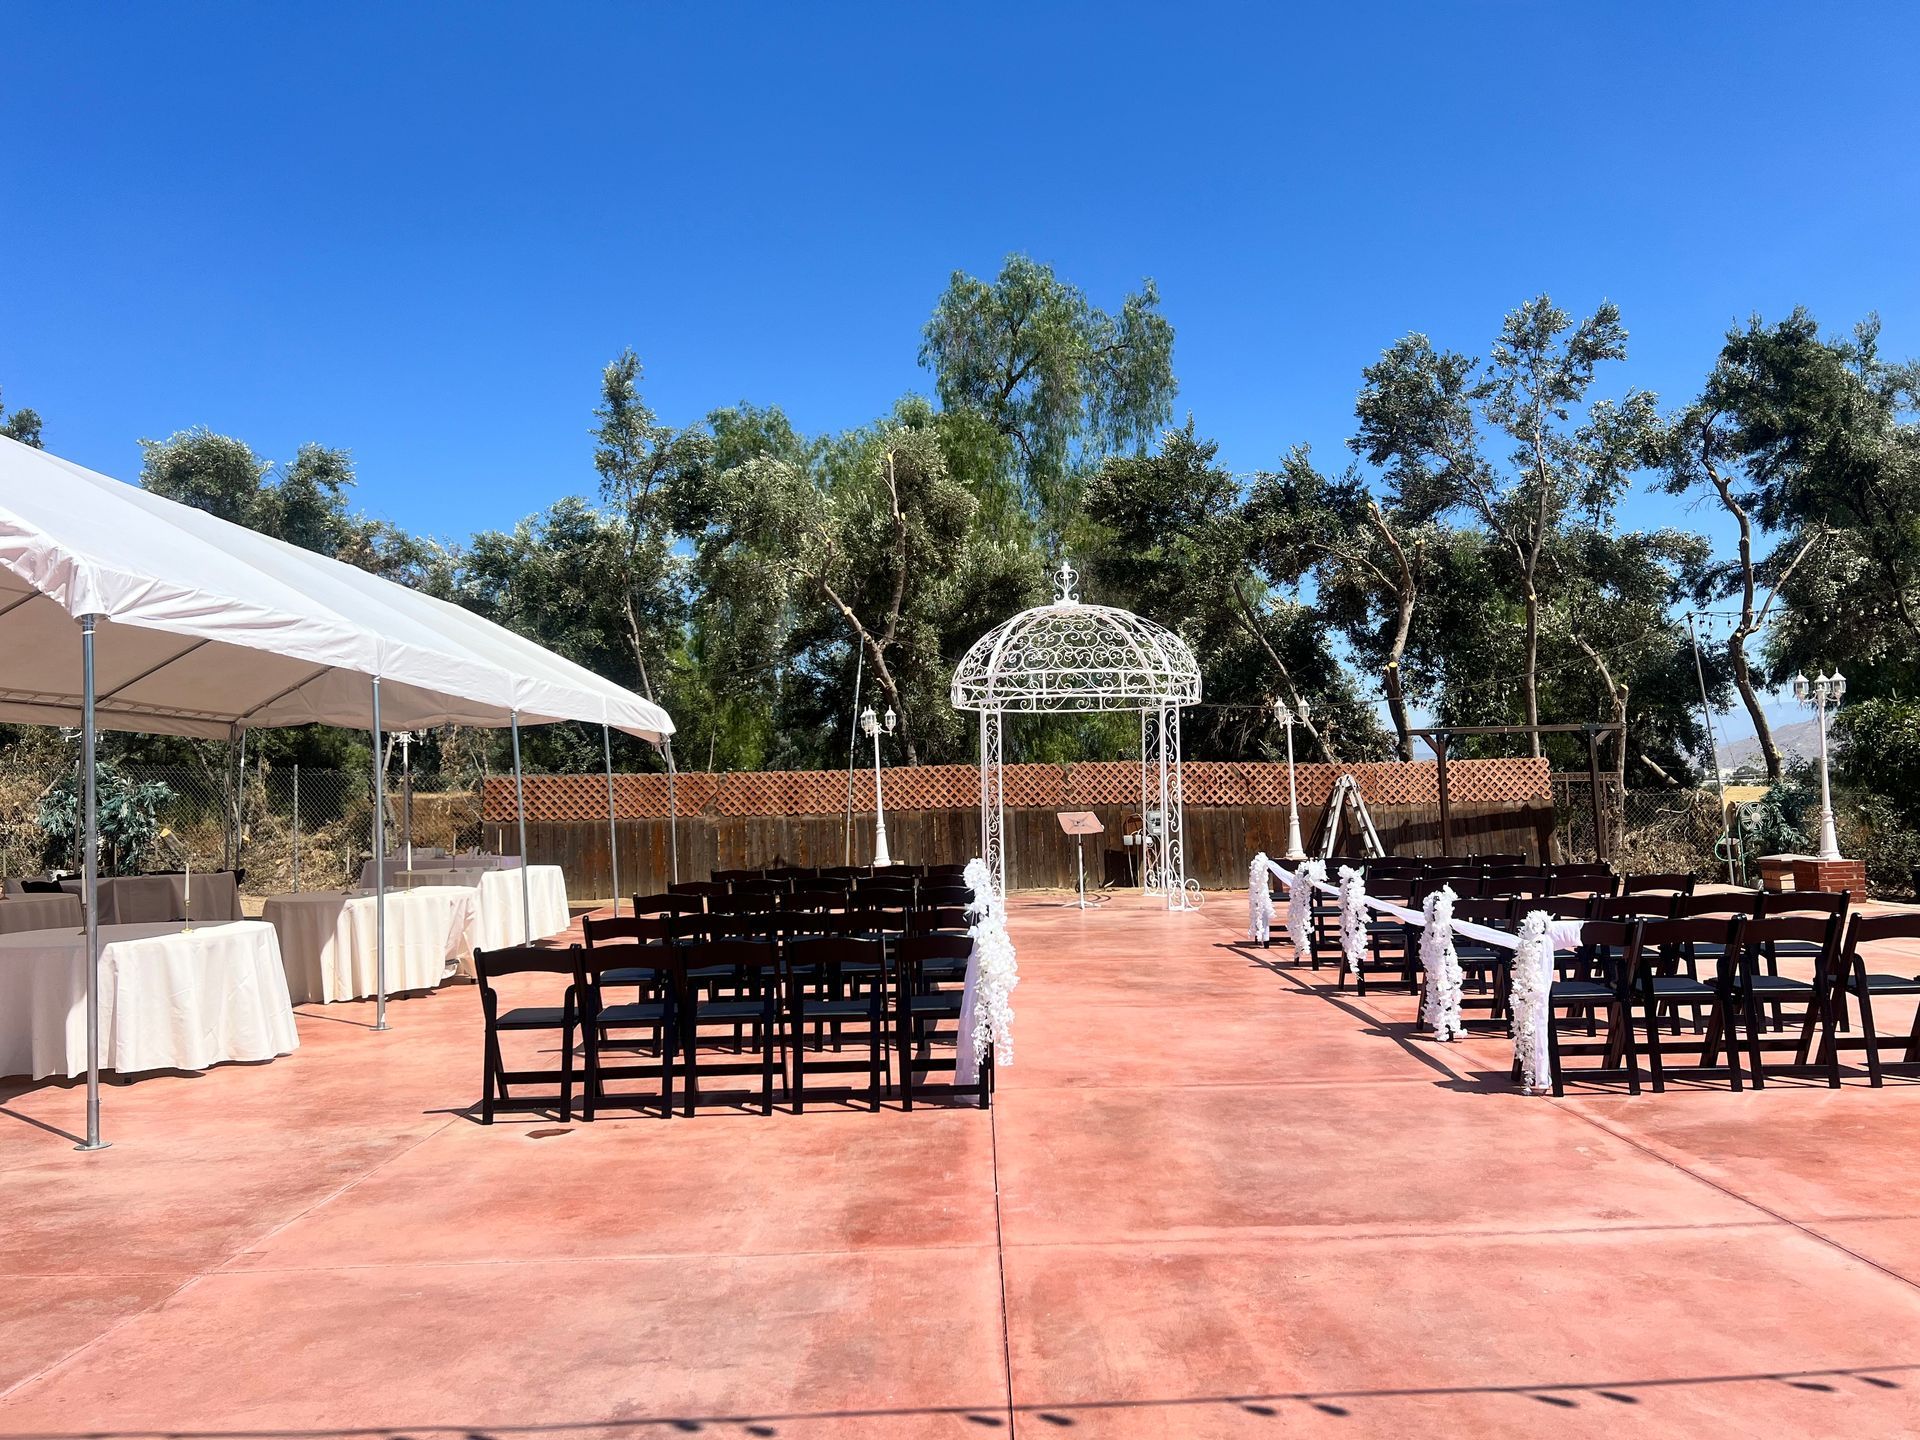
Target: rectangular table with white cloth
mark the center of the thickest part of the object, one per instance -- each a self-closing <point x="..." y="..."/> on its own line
<point x="169" y="1000"/>
<point x="500" y="902"/>
<point x="40" y="912"/>
<point x="327" y="940"/>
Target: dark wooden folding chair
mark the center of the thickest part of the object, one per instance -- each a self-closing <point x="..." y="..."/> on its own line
<point x="1854" y="978"/>
<point x="736" y="984"/>
<point x="619" y="962"/>
<point x="1671" y="882"/>
<point x="1392" y="946"/>
<point x="1756" y="980"/>
<point x="670" y="904"/>
<point x="818" y="973"/>
<point x="1594" y="879"/>
<point x="562" y="1019"/>
<point x="1667" y="975"/>
<point x="929" y="975"/>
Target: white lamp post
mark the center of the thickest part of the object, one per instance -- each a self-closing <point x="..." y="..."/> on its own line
<point x="875" y="729"/>
<point x="1289" y="718"/>
<point x="404" y="738"/>
<point x="1823" y="694"/>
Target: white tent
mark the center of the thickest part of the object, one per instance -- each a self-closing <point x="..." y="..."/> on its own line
<point x="122" y="609"/>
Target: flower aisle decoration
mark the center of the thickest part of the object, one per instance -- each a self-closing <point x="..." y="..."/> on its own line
<point x="996" y="971"/>
<point x="1532" y="988"/>
<point x="1300" y="905"/>
<point x="1353" y="918"/>
<point x="1259" y="901"/>
<point x="1440" y="1007"/>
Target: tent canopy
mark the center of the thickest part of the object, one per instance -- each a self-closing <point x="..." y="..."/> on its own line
<point x="206" y="628"/>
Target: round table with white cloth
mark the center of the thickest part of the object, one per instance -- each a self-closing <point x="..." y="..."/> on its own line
<point x="40" y="912"/>
<point x="501" y="902"/>
<point x="145" y="899"/>
<point x="327" y="940"/>
<point x="169" y="1000"/>
<point x="436" y="860"/>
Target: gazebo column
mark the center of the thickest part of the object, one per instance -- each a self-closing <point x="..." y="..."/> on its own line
<point x="993" y="802"/>
<point x="1175" y="811"/>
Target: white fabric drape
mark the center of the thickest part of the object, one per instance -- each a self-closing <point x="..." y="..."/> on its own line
<point x="1445" y="980"/>
<point x="986" y="1005"/>
<point x="1353" y="918"/>
<point x="1533" y="971"/>
<point x="1259" y="901"/>
<point x="327" y="940"/>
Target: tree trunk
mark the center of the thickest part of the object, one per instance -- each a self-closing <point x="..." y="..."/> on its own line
<point x="1743" y="682"/>
<point x="1531" y="680"/>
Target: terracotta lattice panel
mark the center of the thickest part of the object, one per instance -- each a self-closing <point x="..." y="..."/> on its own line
<point x="1045" y="787"/>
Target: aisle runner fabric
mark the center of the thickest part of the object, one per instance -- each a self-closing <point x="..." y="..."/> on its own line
<point x="1540" y="937"/>
<point x="986" y="1007"/>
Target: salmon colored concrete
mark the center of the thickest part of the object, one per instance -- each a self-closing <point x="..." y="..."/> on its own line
<point x="1214" y="1198"/>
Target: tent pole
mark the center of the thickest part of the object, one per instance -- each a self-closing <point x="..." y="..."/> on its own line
<point x="613" y="834"/>
<point x="379" y="868"/>
<point x="673" y="816"/>
<point x="91" y="885"/>
<point x="240" y="800"/>
<point x="520" y="813"/>
<point x="296" y="827"/>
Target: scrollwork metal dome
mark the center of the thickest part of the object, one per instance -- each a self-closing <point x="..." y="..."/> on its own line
<point x="1072" y="656"/>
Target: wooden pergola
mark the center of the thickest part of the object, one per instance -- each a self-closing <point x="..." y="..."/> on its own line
<point x="1440" y="736"/>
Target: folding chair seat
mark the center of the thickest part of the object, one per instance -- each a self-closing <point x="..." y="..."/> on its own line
<point x="562" y="1019"/>
<point x="923" y="1003"/>
<point x="818" y="993"/>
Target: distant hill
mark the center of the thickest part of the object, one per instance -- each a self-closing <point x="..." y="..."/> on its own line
<point x="1800" y="739"/>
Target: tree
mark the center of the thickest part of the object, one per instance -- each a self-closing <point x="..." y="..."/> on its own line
<point x="1061" y="382"/>
<point x="1541" y="369"/>
<point x="22" y="425"/>
<point x="644" y="466"/>
<point x="215" y="473"/>
<point x="1183" y="544"/>
<point x="1708" y="449"/>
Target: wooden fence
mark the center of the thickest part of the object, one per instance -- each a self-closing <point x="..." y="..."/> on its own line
<point x="1220" y="840"/>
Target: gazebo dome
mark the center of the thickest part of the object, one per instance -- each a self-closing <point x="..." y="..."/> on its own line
<point x="1071" y="656"/>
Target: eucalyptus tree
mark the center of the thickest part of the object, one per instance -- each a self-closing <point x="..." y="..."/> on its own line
<point x="1061" y="382"/>
<point x="645" y="469"/>
<point x="1183" y="543"/>
<point x="1562" y="463"/>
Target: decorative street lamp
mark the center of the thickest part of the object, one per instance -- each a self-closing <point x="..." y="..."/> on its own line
<point x="875" y="729"/>
<point x="405" y="740"/>
<point x="1823" y="694"/>
<point x="1289" y="718"/>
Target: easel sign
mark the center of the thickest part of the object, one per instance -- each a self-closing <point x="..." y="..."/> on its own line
<point x="1080" y="824"/>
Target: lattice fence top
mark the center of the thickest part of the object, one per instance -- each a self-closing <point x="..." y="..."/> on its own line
<point x="1047" y="787"/>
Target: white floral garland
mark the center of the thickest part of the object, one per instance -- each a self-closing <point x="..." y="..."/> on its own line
<point x="1531" y="987"/>
<point x="999" y="970"/>
<point x="1353" y="917"/>
<point x="1259" y="900"/>
<point x="1445" y="980"/>
<point x="1300" y="905"/>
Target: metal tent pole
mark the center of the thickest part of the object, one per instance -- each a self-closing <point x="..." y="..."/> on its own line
<point x="520" y="812"/>
<point x="613" y="833"/>
<point x="406" y="790"/>
<point x="296" y="827"/>
<point x="90" y="866"/>
<point x="379" y="868"/>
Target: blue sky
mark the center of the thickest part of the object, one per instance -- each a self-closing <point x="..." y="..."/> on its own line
<point x="419" y="231"/>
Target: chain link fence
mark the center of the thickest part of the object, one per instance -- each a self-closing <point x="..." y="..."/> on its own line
<point x="1647" y="831"/>
<point x="286" y="827"/>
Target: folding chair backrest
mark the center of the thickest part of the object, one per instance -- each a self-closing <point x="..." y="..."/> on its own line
<point x="916" y="950"/>
<point x="750" y="902"/>
<point x="696" y="887"/>
<point x="742" y="955"/>
<point x="945" y="895"/>
<point x="1561" y="907"/>
<point x="1877" y="929"/>
<point x="939" y="917"/>
<point x="1803" y="902"/>
<point x="1673" y="881"/>
<point x="1626" y="907"/>
<point x="490" y="965"/>
<point x="757" y="924"/>
<point x="626" y="928"/>
<point x="1821" y="930"/>
<point x="1391" y="887"/>
<point x="868" y="916"/>
<point x="814" y="900"/>
<point x="819" y="954"/>
<point x="1737" y="902"/>
<point x="730" y="877"/>
<point x="1496" y="913"/>
<point x="669" y="904"/>
<point x="1500" y="860"/>
<point x="1695" y="930"/>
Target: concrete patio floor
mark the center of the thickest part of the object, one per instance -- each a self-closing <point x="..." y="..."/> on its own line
<point x="1212" y="1199"/>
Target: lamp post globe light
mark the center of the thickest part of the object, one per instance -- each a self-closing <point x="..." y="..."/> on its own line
<point x="874" y="728"/>
<point x="1822" y="695"/>
<point x="1289" y="717"/>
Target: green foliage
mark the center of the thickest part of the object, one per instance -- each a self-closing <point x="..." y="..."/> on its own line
<point x="1876" y="746"/>
<point x="1060" y="381"/>
<point x="22" y="425"/>
<point x="126" y="812"/>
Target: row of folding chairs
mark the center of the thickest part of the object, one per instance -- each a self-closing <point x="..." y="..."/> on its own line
<point x="776" y="1015"/>
<point x="824" y="896"/>
<point x="802" y="874"/>
<point x="885" y="882"/>
<point x="1638" y="973"/>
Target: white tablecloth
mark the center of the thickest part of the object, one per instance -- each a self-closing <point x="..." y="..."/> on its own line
<point x="150" y="899"/>
<point x="40" y="912"/>
<point x="327" y="940"/>
<point x="422" y="860"/>
<point x="168" y="1000"/>
<point x="500" y="903"/>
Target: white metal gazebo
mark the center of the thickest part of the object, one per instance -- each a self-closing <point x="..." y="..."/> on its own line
<point x="1072" y="657"/>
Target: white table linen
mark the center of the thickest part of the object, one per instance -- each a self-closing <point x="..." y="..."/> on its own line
<point x="40" y="912"/>
<point x="437" y="860"/>
<point x="168" y="1000"/>
<point x="501" y="923"/>
<point x="328" y="940"/>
